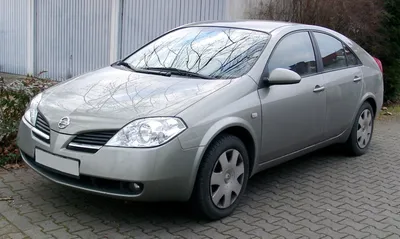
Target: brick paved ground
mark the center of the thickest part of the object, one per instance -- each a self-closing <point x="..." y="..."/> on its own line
<point x="323" y="195"/>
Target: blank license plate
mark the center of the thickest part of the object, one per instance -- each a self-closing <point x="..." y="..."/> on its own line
<point x="61" y="164"/>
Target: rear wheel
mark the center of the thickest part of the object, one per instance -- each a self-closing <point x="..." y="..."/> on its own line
<point x="361" y="134"/>
<point x="222" y="178"/>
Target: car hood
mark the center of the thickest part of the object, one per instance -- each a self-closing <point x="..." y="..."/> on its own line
<point x="110" y="98"/>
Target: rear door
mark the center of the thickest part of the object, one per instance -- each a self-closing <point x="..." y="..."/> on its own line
<point x="343" y="83"/>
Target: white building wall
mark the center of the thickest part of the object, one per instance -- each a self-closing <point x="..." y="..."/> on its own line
<point x="66" y="38"/>
<point x="145" y="20"/>
<point x="13" y="36"/>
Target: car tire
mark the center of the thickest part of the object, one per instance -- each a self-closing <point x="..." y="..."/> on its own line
<point x="213" y="179"/>
<point x="361" y="135"/>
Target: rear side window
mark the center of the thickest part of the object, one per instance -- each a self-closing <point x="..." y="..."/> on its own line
<point x="332" y="52"/>
<point x="352" y="60"/>
<point x="294" y="52"/>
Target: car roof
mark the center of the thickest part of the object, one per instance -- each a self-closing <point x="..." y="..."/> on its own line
<point x="259" y="25"/>
<point x="268" y="26"/>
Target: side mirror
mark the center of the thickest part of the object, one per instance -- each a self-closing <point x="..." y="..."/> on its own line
<point x="281" y="76"/>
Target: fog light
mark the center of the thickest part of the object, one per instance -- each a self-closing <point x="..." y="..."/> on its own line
<point x="136" y="187"/>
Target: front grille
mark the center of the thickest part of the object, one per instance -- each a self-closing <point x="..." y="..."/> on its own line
<point x="43" y="126"/>
<point x="91" y="141"/>
<point x="94" y="138"/>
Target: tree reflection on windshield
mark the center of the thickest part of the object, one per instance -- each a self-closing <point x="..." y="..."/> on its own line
<point x="211" y="51"/>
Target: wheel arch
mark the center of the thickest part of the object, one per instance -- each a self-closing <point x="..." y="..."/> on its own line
<point x="233" y="126"/>
<point x="372" y="102"/>
<point x="370" y="98"/>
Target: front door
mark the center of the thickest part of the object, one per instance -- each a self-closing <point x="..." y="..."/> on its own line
<point x="293" y="115"/>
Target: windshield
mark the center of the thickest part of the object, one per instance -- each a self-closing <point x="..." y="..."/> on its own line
<point x="214" y="52"/>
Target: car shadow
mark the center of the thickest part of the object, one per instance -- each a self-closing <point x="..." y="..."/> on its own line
<point x="127" y="212"/>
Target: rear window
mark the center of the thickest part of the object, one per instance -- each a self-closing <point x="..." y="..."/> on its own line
<point x="212" y="51"/>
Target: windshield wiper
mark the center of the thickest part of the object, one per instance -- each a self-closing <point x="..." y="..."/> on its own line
<point x="142" y="70"/>
<point x="180" y="72"/>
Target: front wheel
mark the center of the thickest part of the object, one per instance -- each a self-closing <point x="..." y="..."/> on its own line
<point x="361" y="133"/>
<point x="222" y="178"/>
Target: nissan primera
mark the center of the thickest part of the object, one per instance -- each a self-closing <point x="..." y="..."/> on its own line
<point x="193" y="114"/>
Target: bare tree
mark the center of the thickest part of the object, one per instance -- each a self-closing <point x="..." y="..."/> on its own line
<point x="358" y="19"/>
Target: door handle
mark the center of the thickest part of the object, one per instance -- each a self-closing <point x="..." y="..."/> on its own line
<point x="319" y="89"/>
<point x="357" y="79"/>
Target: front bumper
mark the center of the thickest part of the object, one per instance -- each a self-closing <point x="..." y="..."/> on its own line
<point x="166" y="172"/>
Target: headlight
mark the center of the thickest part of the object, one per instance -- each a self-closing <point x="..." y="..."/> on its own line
<point x="31" y="113"/>
<point x="148" y="132"/>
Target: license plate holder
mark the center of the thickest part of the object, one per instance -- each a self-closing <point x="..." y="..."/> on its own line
<point x="57" y="163"/>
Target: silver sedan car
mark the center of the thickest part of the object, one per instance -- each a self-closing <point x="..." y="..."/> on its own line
<point x="195" y="113"/>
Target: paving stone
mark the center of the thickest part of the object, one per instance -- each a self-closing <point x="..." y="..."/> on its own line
<point x="111" y="234"/>
<point x="4" y="206"/>
<point x="62" y="234"/>
<point x="330" y="232"/>
<point x="48" y="225"/>
<point x="87" y="234"/>
<point x="21" y="222"/>
<point x="25" y="208"/>
<point x="36" y="201"/>
<point x="98" y="226"/>
<point x="308" y="224"/>
<point x="356" y="233"/>
<point x="243" y="226"/>
<point x="260" y="233"/>
<point x="242" y="215"/>
<point x="148" y="227"/>
<point x="373" y="223"/>
<point x="189" y="234"/>
<point x="392" y="229"/>
<point x="376" y="232"/>
<point x="17" y="185"/>
<point x="221" y="227"/>
<point x="352" y="216"/>
<point x="288" y="225"/>
<point x="213" y="234"/>
<point x="138" y="233"/>
<point x="353" y="224"/>
<point x="393" y="236"/>
<point x="266" y="226"/>
<point x="73" y="226"/>
<point x="48" y="209"/>
<point x="163" y="234"/>
<point x="35" y="217"/>
<point x="84" y="217"/>
<point x="3" y="222"/>
<point x="8" y="229"/>
<point x="17" y="235"/>
<point x="307" y="232"/>
<point x="322" y="195"/>
<point x="289" y="217"/>
<point x="37" y="233"/>
<point x="236" y="233"/>
<point x="286" y="234"/>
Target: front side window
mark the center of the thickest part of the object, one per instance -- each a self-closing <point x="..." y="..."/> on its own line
<point x="295" y="52"/>
<point x="215" y="52"/>
<point x="332" y="52"/>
